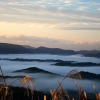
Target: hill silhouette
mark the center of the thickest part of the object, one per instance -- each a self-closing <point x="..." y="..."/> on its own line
<point x="78" y="64"/>
<point x="6" y="48"/>
<point x="34" y="70"/>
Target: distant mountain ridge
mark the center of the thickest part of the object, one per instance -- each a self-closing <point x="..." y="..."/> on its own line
<point x="54" y="51"/>
<point x="6" y="48"/>
<point x="88" y="51"/>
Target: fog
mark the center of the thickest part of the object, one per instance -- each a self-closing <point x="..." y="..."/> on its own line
<point x="46" y="81"/>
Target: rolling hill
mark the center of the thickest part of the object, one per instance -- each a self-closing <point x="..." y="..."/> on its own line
<point x="6" y="48"/>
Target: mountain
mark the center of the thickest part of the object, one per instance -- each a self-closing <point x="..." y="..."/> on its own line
<point x="6" y="48"/>
<point x="34" y="70"/>
<point x="88" y="52"/>
<point x="46" y="50"/>
<point x="27" y="46"/>
<point x="93" y="55"/>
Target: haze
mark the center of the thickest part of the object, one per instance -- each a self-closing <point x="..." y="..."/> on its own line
<point x="66" y="24"/>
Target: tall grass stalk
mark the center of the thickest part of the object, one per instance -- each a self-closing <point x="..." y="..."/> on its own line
<point x="57" y="94"/>
<point x="59" y="91"/>
<point x="26" y="82"/>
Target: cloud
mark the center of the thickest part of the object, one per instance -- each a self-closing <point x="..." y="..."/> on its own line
<point x="50" y="42"/>
<point x="29" y="39"/>
<point x="98" y="8"/>
<point x="80" y="28"/>
<point x="51" y="12"/>
<point x="83" y="8"/>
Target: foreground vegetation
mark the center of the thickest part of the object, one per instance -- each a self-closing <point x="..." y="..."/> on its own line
<point x="26" y="92"/>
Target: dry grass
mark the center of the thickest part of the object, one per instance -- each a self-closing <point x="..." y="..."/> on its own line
<point x="79" y="89"/>
<point x="27" y="82"/>
<point x="96" y="94"/>
<point x="57" y="94"/>
<point x="74" y="74"/>
<point x="6" y="93"/>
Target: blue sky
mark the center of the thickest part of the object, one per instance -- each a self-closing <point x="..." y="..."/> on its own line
<point x="76" y="21"/>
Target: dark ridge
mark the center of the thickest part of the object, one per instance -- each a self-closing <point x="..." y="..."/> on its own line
<point x="78" y="64"/>
<point x="90" y="76"/>
<point x="90" y="53"/>
<point x="12" y="76"/>
<point x="93" y="55"/>
<point x="6" y="48"/>
<point x="39" y="60"/>
<point x="54" y="51"/>
<point x="34" y="70"/>
<point x="85" y="52"/>
<point x="27" y="46"/>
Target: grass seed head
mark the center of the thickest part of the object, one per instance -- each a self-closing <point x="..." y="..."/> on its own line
<point x="98" y="96"/>
<point x="44" y="97"/>
<point x="74" y="74"/>
<point x="27" y="82"/>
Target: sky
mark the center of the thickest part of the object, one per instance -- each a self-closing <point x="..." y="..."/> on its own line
<point x="66" y="24"/>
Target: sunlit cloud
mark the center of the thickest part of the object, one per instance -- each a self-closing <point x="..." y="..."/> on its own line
<point x="83" y="8"/>
<point x="98" y="8"/>
<point x="50" y="42"/>
<point x="23" y="38"/>
<point x="52" y="13"/>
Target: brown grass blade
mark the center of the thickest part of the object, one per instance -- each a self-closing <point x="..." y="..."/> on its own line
<point x="74" y="74"/>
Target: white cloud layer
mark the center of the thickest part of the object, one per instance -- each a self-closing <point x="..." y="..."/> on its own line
<point x="57" y="13"/>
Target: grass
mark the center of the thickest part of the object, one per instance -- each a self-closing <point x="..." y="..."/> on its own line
<point x="28" y="84"/>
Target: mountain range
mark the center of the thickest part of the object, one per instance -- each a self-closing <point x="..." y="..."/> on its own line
<point x="6" y="48"/>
